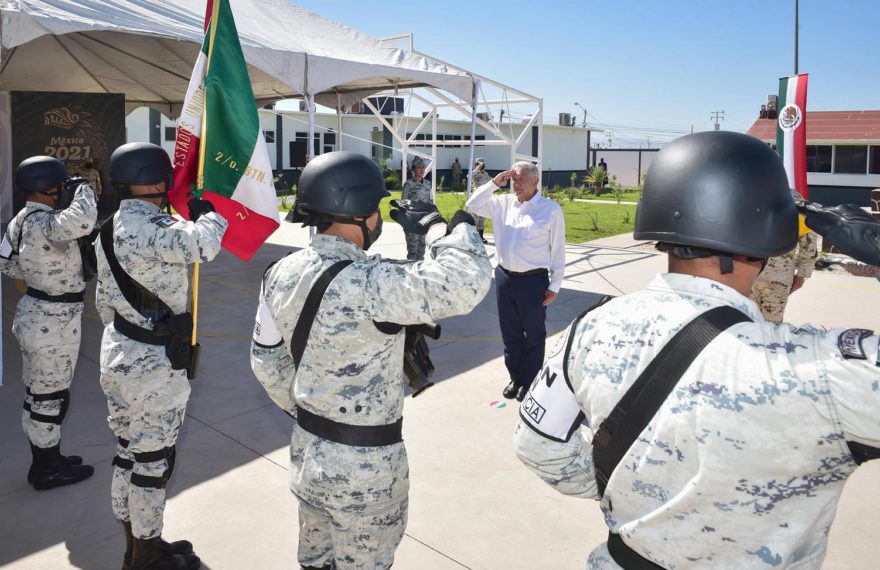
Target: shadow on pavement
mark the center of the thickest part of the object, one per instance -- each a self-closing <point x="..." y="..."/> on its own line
<point x="230" y="420"/>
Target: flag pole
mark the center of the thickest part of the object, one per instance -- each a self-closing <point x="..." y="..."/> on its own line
<point x="200" y="175"/>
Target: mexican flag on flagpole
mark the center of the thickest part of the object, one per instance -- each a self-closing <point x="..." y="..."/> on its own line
<point x="791" y="130"/>
<point x="219" y="127"/>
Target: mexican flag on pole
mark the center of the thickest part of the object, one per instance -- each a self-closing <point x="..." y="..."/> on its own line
<point x="219" y="127"/>
<point x="791" y="130"/>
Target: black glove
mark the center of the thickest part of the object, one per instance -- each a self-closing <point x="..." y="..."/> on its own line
<point x="197" y="207"/>
<point x="460" y="217"/>
<point x="854" y="231"/>
<point x="415" y="216"/>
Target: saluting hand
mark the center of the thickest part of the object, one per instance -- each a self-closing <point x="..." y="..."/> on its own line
<point x="501" y="179"/>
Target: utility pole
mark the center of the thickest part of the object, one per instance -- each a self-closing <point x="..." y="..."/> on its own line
<point x="584" y="125"/>
<point x="717" y="116"/>
<point x="610" y="135"/>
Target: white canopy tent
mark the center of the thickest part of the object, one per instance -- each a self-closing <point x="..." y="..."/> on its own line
<point x="147" y="50"/>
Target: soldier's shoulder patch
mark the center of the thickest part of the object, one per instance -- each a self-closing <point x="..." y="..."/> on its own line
<point x="163" y="221"/>
<point x="850" y="343"/>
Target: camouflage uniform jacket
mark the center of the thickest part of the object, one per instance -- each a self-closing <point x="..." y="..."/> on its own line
<point x="49" y="258"/>
<point x="154" y="249"/>
<point x="478" y="178"/>
<point x="351" y="372"/>
<point x="417" y="190"/>
<point x="744" y="463"/>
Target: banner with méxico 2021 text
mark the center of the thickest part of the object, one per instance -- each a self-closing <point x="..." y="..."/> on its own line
<point x="75" y="128"/>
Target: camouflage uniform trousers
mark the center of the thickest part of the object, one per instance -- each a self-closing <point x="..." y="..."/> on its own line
<point x="147" y="412"/>
<point x="49" y="336"/>
<point x="353" y="501"/>
<point x="480" y="223"/>
<point x="415" y="246"/>
<point x="771" y="297"/>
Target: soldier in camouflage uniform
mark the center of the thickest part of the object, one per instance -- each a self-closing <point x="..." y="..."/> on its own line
<point x="744" y="462"/>
<point x="785" y="274"/>
<point x="146" y="393"/>
<point x="40" y="247"/>
<point x="419" y="189"/>
<point x="478" y="178"/>
<point x="348" y="465"/>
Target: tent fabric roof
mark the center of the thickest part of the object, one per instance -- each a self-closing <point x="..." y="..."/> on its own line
<point x="147" y="49"/>
<point x="828" y="126"/>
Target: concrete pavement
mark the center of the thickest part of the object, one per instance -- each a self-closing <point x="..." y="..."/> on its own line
<point x="472" y="504"/>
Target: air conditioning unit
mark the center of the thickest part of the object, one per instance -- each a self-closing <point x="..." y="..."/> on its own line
<point x="485" y="117"/>
<point x="565" y="120"/>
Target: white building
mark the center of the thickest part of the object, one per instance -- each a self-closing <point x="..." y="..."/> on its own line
<point x="565" y="147"/>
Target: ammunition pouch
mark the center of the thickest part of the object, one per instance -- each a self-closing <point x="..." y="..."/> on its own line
<point x="173" y="332"/>
<point x="86" y="246"/>
<point x="417" y="365"/>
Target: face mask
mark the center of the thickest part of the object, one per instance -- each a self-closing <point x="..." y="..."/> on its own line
<point x="370" y="237"/>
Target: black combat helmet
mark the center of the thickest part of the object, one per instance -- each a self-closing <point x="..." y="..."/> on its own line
<point x="39" y="173"/>
<point x="141" y="164"/>
<point x="341" y="184"/>
<point x="719" y="191"/>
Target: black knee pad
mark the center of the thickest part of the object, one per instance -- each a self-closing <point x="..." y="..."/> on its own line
<point x="155" y="482"/>
<point x="122" y="462"/>
<point x="63" y="395"/>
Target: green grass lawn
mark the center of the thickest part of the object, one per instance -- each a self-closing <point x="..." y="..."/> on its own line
<point x="583" y="221"/>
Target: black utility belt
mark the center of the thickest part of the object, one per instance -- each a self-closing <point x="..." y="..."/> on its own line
<point x="346" y="434"/>
<point x="626" y="557"/>
<point x="173" y="332"/>
<point x="509" y="273"/>
<point x="140" y="334"/>
<point x="63" y="298"/>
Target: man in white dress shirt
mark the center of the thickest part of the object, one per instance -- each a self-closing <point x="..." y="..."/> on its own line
<point x="529" y="234"/>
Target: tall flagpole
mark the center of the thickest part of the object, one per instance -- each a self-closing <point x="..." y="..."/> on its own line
<point x="200" y="175"/>
<point x="795" y="37"/>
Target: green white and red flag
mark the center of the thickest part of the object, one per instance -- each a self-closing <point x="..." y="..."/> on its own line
<point x="219" y="127"/>
<point x="791" y="130"/>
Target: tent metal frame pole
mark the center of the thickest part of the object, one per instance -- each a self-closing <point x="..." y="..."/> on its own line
<point x="434" y="180"/>
<point x="339" y="121"/>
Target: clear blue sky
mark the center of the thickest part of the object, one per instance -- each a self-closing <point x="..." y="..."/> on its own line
<point x="644" y="63"/>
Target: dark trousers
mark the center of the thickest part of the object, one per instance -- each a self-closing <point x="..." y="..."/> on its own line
<point x="521" y="315"/>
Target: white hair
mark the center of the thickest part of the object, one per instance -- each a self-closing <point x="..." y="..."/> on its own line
<point x="527" y="166"/>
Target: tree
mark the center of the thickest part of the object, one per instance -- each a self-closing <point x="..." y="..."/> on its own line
<point x="596" y="178"/>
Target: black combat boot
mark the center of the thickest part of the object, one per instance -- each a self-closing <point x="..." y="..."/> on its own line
<point x="35" y="451"/>
<point x="327" y="567"/>
<point x="129" y="546"/>
<point x="176" y="547"/>
<point x="481" y="236"/>
<point x="152" y="554"/>
<point x="50" y="469"/>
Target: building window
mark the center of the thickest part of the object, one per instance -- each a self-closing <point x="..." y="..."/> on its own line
<point x="269" y="136"/>
<point x="819" y="158"/>
<point x="850" y="159"/>
<point x="874" y="160"/>
<point x="170" y="133"/>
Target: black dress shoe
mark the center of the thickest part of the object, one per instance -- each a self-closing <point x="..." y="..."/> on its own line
<point x="510" y="391"/>
<point x="57" y="474"/>
<point x="521" y="393"/>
